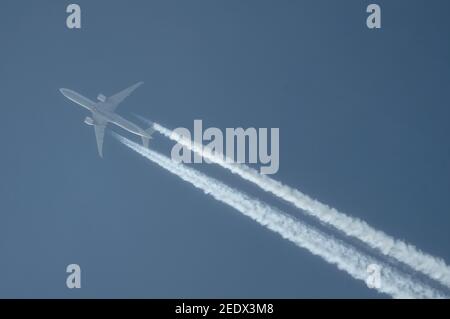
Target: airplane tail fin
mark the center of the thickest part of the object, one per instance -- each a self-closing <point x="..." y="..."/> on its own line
<point x="146" y="138"/>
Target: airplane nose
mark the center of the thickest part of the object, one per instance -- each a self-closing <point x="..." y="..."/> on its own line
<point x="65" y="92"/>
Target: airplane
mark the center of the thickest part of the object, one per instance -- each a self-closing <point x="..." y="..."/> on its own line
<point x="103" y="112"/>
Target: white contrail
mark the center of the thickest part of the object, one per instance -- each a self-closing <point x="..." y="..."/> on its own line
<point x="335" y="252"/>
<point x="429" y="265"/>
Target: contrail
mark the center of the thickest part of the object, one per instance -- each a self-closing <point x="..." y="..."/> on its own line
<point x="335" y="252"/>
<point x="434" y="267"/>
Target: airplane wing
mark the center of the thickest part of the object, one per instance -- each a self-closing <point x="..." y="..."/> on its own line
<point x="99" y="127"/>
<point x="116" y="99"/>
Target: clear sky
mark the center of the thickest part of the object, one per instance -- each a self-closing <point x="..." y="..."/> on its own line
<point x="364" y="127"/>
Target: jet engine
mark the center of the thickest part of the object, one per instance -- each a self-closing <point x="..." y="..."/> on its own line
<point x="88" y="120"/>
<point x="101" y="98"/>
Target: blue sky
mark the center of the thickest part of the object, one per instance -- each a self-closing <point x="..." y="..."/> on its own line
<point x="363" y="118"/>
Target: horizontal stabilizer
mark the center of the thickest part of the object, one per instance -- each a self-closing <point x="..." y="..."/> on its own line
<point x="145" y="141"/>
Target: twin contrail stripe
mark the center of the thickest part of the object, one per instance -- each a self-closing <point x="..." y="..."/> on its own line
<point x="429" y="265"/>
<point x="335" y="252"/>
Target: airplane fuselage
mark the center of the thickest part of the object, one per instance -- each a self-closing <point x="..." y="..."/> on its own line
<point x="98" y="111"/>
<point x="118" y="120"/>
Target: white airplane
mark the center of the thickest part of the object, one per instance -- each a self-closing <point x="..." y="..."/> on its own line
<point x="103" y="112"/>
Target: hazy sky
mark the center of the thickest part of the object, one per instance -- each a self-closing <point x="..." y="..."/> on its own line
<point x="364" y="126"/>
